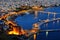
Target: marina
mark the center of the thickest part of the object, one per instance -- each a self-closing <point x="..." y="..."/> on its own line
<point x="29" y="21"/>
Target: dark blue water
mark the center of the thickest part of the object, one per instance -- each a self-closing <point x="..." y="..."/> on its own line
<point x="27" y="21"/>
<point x="53" y="9"/>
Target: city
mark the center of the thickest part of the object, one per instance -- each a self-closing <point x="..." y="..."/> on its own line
<point x="29" y="19"/>
<point x="12" y="4"/>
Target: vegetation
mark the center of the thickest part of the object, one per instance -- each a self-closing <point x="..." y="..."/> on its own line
<point x="23" y="8"/>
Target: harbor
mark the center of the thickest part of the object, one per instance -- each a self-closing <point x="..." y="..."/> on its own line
<point x="26" y="21"/>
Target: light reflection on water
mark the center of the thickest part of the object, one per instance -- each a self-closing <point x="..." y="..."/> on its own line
<point x="27" y="20"/>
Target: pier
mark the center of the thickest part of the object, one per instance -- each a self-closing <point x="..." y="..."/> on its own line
<point x="35" y="29"/>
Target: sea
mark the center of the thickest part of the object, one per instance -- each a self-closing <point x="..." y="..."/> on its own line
<point x="27" y="21"/>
